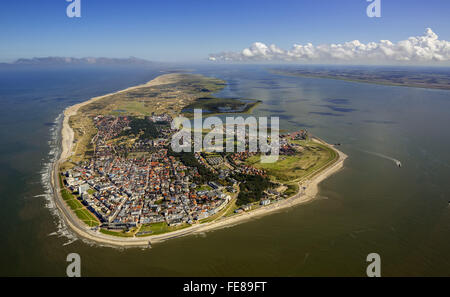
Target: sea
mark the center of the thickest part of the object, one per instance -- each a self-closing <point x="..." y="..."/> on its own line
<point x="370" y="206"/>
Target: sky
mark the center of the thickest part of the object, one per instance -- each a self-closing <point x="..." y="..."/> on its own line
<point x="195" y="30"/>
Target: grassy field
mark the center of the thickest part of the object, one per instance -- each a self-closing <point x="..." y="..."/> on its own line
<point x="84" y="131"/>
<point x="179" y="91"/>
<point x="203" y="188"/>
<point x="291" y="190"/>
<point x="117" y="233"/>
<point x="160" y="228"/>
<point x="170" y="98"/>
<point x="291" y="169"/>
<point x="81" y="212"/>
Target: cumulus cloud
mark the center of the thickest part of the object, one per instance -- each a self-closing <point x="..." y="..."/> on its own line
<point x="414" y="50"/>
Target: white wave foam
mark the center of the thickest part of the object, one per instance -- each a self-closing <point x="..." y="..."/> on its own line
<point x="62" y="230"/>
<point x="46" y="174"/>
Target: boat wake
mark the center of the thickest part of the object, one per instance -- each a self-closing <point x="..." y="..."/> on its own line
<point x="396" y="162"/>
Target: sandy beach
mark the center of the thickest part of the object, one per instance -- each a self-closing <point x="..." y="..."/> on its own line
<point x="67" y="133"/>
<point x="311" y="189"/>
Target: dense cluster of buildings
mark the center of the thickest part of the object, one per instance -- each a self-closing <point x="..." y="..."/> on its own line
<point x="127" y="191"/>
<point x="133" y="181"/>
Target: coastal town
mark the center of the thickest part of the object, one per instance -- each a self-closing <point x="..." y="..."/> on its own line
<point x="133" y="178"/>
<point x="118" y="180"/>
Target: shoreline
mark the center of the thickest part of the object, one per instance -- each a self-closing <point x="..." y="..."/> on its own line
<point x="85" y="232"/>
<point x="380" y="83"/>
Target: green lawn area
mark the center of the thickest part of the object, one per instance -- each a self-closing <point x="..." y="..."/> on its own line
<point x="135" y="107"/>
<point x="74" y="204"/>
<point x="159" y="228"/>
<point x="84" y="215"/>
<point x="290" y="169"/>
<point x="291" y="190"/>
<point x="203" y="188"/>
<point x="61" y="184"/>
<point x="116" y="233"/>
<point x="66" y="195"/>
<point x="80" y="211"/>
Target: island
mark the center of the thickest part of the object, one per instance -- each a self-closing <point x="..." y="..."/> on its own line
<point x="416" y="77"/>
<point x="117" y="181"/>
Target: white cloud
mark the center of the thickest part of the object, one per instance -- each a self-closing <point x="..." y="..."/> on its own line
<point x="415" y="50"/>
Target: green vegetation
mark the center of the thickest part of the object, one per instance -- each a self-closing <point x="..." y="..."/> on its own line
<point x="116" y="233"/>
<point x="81" y="212"/>
<point x="66" y="195"/>
<point x="159" y="228"/>
<point x="84" y="131"/>
<point x="251" y="188"/>
<point x="143" y="128"/>
<point x="184" y="93"/>
<point x="203" y="188"/>
<point x="189" y="159"/>
<point x="61" y="184"/>
<point x="174" y="93"/>
<point x="73" y="204"/>
<point x="288" y="169"/>
<point x="291" y="190"/>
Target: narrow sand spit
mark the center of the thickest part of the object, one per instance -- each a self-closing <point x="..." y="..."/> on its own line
<point x="67" y="133"/>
